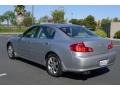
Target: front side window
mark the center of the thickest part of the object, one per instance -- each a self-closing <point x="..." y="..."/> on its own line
<point x="32" y="32"/>
<point x="46" y="32"/>
<point x="77" y="31"/>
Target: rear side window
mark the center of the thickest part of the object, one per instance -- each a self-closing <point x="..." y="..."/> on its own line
<point x="77" y="31"/>
<point x="46" y="32"/>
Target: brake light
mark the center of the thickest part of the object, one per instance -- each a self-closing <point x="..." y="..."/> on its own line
<point x="80" y="47"/>
<point x="110" y="45"/>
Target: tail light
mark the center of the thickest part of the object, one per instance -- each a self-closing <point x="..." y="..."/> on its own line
<point x="110" y="45"/>
<point x="80" y="47"/>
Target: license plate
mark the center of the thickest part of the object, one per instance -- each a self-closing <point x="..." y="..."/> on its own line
<point x="104" y="62"/>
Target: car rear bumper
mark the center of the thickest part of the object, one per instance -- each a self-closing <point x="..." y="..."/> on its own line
<point x="81" y="64"/>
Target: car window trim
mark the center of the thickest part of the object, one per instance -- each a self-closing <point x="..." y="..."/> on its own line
<point x="30" y="30"/>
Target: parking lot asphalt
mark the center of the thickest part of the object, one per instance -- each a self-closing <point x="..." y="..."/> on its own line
<point x="24" y="72"/>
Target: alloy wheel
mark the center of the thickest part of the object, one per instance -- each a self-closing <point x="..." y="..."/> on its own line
<point x="53" y="65"/>
<point x="10" y="52"/>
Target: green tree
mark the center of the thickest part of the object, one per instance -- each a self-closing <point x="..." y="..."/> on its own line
<point x="28" y="14"/>
<point x="20" y="14"/>
<point x="77" y="21"/>
<point x="20" y="9"/>
<point x="116" y="19"/>
<point x="81" y="22"/>
<point x="98" y="26"/>
<point x="1" y="19"/>
<point x="58" y="16"/>
<point x="105" y="21"/>
<point x="90" y="22"/>
<point x="74" y="21"/>
<point x="44" y="19"/>
<point x="27" y="21"/>
<point x="9" y="16"/>
<point x="117" y="34"/>
<point x="50" y="20"/>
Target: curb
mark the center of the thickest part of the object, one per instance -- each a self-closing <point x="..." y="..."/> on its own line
<point x="115" y="39"/>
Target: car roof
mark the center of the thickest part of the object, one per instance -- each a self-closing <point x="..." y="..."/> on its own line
<point x="59" y="25"/>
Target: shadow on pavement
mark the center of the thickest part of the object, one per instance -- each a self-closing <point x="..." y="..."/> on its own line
<point x="32" y="63"/>
<point x="72" y="75"/>
<point x="81" y="76"/>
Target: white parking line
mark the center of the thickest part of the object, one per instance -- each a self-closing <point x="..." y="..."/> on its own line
<point x="3" y="74"/>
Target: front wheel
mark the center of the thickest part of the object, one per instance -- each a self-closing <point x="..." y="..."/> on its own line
<point x="53" y="65"/>
<point x="10" y="51"/>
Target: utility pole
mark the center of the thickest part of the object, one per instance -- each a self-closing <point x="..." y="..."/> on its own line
<point x="32" y="14"/>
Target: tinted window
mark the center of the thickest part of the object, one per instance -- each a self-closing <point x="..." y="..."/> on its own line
<point x="46" y="32"/>
<point x="76" y="31"/>
<point x="32" y="32"/>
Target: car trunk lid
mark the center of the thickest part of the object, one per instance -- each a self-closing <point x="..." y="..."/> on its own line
<point x="99" y="45"/>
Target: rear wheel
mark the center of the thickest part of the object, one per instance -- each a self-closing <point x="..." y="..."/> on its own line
<point x="10" y="51"/>
<point x="53" y="65"/>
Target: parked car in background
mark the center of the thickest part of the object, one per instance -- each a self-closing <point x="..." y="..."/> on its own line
<point x="62" y="47"/>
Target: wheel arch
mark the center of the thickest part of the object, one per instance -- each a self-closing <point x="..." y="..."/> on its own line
<point x="50" y="52"/>
<point x="57" y="54"/>
<point x="8" y="43"/>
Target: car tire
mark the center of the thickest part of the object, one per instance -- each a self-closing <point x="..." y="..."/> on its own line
<point x="10" y="51"/>
<point x="53" y="65"/>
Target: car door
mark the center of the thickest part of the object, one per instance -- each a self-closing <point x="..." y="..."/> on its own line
<point x="25" y="42"/>
<point x="41" y="44"/>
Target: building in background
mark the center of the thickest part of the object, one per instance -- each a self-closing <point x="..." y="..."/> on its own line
<point x="112" y="28"/>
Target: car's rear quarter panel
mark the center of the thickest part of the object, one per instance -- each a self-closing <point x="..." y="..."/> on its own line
<point x="77" y="61"/>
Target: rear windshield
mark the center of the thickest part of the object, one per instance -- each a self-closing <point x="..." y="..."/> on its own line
<point x="77" y="31"/>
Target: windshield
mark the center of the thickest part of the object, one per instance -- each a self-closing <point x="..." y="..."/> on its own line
<point x="77" y="31"/>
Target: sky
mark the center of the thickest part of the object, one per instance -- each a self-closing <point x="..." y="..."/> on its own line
<point x="71" y="11"/>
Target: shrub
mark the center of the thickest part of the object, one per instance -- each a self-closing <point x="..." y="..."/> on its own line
<point x="27" y="21"/>
<point x="101" y="33"/>
<point x="117" y="34"/>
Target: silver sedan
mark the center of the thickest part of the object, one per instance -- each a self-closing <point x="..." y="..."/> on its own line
<point x="62" y="47"/>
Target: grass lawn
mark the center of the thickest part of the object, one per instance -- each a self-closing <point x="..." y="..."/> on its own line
<point x="11" y="30"/>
